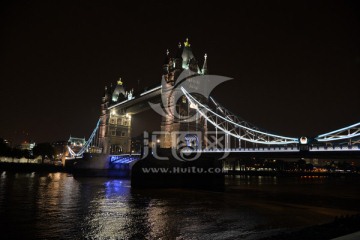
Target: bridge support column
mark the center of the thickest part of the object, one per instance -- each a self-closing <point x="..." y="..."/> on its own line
<point x="115" y="133"/>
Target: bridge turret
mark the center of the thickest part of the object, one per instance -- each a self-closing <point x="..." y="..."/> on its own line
<point x="119" y="89"/>
<point x="172" y="66"/>
<point x="188" y="59"/>
<point x="177" y="108"/>
<point x="115" y="126"/>
<point x="186" y="55"/>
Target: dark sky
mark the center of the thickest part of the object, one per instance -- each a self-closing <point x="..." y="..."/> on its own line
<point x="295" y="64"/>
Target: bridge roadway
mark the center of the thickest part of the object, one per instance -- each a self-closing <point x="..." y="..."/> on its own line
<point x="282" y="152"/>
<point x="139" y="103"/>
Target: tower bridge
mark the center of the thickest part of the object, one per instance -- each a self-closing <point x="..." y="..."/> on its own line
<point x="193" y="122"/>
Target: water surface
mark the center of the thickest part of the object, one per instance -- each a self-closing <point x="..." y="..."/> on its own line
<point x="57" y="205"/>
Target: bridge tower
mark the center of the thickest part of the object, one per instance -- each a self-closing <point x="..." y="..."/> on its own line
<point x="177" y="107"/>
<point x="115" y="124"/>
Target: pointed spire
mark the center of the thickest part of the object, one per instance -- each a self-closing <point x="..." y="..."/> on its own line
<point x="178" y="51"/>
<point x="205" y="68"/>
<point x="106" y="92"/>
<point x="186" y="55"/>
<point x="119" y="82"/>
<point x="167" y="58"/>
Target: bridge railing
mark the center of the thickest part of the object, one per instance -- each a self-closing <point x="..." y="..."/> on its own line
<point x="253" y="149"/>
<point x="335" y="148"/>
<point x="124" y="158"/>
<point x="350" y="133"/>
<point x="231" y="125"/>
<point x="87" y="145"/>
<point x="271" y="149"/>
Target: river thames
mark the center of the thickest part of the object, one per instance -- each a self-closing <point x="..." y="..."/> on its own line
<point x="59" y="206"/>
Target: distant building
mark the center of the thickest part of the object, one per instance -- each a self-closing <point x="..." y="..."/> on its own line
<point x="27" y="146"/>
<point x="76" y="144"/>
<point x="60" y="150"/>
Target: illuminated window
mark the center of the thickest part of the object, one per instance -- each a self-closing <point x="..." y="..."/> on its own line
<point x="183" y="99"/>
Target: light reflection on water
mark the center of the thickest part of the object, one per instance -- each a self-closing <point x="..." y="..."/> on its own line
<point x="56" y="205"/>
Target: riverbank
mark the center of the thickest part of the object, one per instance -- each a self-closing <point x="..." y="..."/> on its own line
<point x="341" y="226"/>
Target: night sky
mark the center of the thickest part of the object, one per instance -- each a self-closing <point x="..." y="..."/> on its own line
<point x="295" y="64"/>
